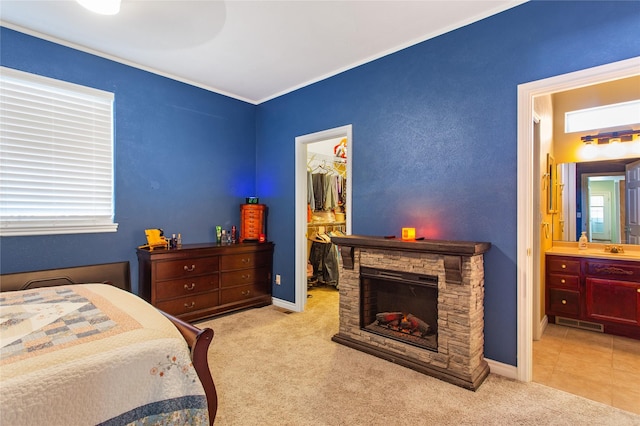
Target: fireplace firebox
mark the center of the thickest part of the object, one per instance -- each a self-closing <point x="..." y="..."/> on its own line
<point x="400" y="305"/>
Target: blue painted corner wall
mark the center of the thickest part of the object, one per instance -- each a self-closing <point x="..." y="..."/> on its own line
<point x="435" y="135"/>
<point x="184" y="158"/>
<point x="434" y="143"/>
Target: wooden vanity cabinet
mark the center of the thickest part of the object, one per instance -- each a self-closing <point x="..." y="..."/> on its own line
<point x="201" y="280"/>
<point x="612" y="291"/>
<point x="601" y="291"/>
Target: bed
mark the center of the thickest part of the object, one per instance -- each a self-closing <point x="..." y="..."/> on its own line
<point x="76" y="349"/>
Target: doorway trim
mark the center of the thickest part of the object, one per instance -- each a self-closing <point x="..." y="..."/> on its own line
<point x="528" y="173"/>
<point x="301" y="203"/>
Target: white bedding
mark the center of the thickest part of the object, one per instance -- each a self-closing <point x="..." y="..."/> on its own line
<point x="93" y="354"/>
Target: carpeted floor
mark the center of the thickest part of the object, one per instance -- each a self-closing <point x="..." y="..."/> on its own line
<point x="273" y="367"/>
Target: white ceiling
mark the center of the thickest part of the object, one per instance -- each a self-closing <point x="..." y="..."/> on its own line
<point x="249" y="50"/>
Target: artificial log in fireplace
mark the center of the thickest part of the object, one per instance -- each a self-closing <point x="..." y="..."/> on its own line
<point x="419" y="304"/>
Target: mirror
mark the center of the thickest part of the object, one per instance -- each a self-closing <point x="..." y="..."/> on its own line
<point x="595" y="197"/>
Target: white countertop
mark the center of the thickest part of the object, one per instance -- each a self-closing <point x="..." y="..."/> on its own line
<point x="595" y="250"/>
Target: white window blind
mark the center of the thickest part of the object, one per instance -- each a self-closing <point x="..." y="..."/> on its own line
<point x="56" y="156"/>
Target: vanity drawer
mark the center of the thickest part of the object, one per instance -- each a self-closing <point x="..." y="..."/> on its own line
<point x="561" y="301"/>
<point x="186" y="267"/>
<point x="186" y="286"/>
<point x="566" y="281"/>
<point x="563" y="265"/>
<point x="627" y="271"/>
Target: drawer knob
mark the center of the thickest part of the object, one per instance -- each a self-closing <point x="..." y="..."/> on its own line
<point x="190" y="269"/>
<point x="191" y="287"/>
<point x="247" y="260"/>
<point x="246" y="293"/>
<point x="563" y="281"/>
<point x="564" y="302"/>
<point x="191" y="306"/>
<point x="246" y="277"/>
<point x="564" y="266"/>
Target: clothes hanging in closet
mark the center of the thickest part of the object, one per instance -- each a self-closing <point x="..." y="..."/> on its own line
<point x="324" y="259"/>
<point x="325" y="192"/>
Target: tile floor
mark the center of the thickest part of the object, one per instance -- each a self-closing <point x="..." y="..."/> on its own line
<point x="596" y="366"/>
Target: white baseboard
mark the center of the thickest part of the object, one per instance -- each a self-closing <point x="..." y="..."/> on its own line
<point x="284" y="304"/>
<point x="543" y="324"/>
<point x="501" y="369"/>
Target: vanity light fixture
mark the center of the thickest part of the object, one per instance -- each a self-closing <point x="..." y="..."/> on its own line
<point x="589" y="150"/>
<point x="610" y="144"/>
<point x="611" y="137"/>
<point x="102" y="7"/>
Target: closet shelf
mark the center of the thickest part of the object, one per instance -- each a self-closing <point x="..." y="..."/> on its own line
<point x="310" y="224"/>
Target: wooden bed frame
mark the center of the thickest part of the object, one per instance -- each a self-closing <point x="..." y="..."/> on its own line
<point x="118" y="274"/>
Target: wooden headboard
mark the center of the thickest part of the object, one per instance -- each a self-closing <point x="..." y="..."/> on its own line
<point x="117" y="274"/>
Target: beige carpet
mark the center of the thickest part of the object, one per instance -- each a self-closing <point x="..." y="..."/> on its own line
<point x="276" y="368"/>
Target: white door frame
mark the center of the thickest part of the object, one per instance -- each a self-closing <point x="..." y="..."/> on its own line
<point x="528" y="220"/>
<point x="301" y="204"/>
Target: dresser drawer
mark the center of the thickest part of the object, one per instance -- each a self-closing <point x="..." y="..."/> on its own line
<point x="186" y="286"/>
<point x="244" y="261"/>
<point x="186" y="267"/>
<point x="245" y="276"/>
<point x="563" y="302"/>
<point x="188" y="304"/>
<point x="563" y="265"/>
<point x="568" y="281"/>
<point x="252" y="215"/>
<point x="240" y="293"/>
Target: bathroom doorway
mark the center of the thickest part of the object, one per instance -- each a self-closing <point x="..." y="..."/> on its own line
<point x="528" y="248"/>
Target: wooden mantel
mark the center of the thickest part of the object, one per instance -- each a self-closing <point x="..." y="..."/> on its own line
<point x="453" y="251"/>
<point x="456" y="248"/>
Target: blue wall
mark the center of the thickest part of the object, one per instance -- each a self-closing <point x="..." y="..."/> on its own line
<point x="434" y="135"/>
<point x="434" y="129"/>
<point x="184" y="158"/>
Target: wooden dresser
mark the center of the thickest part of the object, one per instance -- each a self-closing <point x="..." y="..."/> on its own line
<point x="595" y="293"/>
<point x="201" y="280"/>
<point x="253" y="219"/>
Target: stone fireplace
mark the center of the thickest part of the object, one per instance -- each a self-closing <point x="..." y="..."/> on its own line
<point x="419" y="304"/>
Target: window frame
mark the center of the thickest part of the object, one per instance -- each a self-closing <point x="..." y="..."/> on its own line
<point x="95" y="212"/>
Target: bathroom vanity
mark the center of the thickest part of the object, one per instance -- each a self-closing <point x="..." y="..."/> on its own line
<point x="594" y="289"/>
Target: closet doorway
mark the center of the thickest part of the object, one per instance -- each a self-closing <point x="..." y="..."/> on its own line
<point x="311" y="150"/>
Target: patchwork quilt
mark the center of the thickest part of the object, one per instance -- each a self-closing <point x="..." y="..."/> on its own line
<point x="93" y="354"/>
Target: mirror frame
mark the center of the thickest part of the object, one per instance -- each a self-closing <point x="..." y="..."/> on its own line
<point x="551" y="181"/>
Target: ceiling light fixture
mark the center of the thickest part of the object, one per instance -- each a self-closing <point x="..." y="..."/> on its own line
<point x="103" y="7"/>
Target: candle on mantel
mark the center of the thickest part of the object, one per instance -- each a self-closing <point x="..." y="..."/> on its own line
<point x="408" y="233"/>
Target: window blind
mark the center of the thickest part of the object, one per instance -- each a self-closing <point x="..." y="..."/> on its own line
<point x="56" y="156"/>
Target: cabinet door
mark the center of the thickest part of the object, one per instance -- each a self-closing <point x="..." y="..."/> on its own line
<point x="612" y="300"/>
